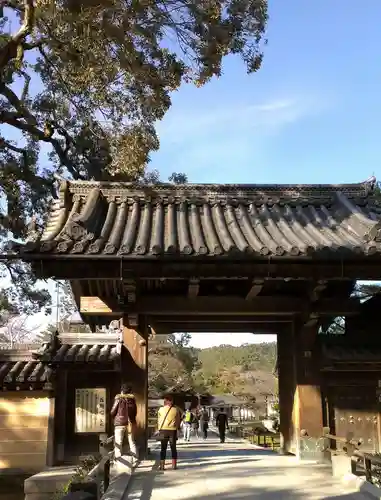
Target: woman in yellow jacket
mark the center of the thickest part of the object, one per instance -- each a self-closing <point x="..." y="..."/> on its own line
<point x="168" y="425"/>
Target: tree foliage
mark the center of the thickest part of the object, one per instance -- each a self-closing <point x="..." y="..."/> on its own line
<point x="168" y="372"/>
<point x="82" y="85"/>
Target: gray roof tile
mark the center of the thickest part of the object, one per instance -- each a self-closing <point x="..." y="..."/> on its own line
<point x="18" y="366"/>
<point x="125" y="219"/>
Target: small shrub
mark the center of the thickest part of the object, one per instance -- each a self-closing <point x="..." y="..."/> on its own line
<point x="80" y="472"/>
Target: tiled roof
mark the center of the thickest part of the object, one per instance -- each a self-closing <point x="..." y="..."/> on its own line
<point x="22" y="372"/>
<point x="204" y="220"/>
<point x="82" y="348"/>
<point x="20" y="366"/>
<point x="17" y="366"/>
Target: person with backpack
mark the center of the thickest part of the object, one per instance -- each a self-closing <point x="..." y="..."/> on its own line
<point x="124" y="412"/>
<point x="187" y="422"/>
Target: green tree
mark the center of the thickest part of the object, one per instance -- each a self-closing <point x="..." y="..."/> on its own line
<point x="180" y="340"/>
<point x="167" y="372"/>
<point x="82" y="85"/>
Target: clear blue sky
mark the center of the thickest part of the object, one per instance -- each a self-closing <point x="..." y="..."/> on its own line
<point x="310" y="115"/>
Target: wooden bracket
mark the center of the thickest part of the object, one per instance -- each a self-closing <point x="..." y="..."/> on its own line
<point x="311" y="320"/>
<point x="193" y="287"/>
<point x="321" y="285"/>
<point x="133" y="320"/>
<point x="255" y="289"/>
<point x="129" y="290"/>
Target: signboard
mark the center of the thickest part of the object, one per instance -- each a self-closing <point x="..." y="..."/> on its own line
<point x="90" y="410"/>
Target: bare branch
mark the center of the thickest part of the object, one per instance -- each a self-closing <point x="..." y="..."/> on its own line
<point x="25" y="89"/>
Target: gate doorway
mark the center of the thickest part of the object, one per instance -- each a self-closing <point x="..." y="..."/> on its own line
<point x="164" y="258"/>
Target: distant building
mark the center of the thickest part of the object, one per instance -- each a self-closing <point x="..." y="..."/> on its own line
<point x="236" y="408"/>
<point x="60" y="394"/>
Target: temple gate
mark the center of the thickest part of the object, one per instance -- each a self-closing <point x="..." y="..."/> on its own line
<point x="245" y="258"/>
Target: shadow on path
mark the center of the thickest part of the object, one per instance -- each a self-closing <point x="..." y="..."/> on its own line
<point x="209" y="471"/>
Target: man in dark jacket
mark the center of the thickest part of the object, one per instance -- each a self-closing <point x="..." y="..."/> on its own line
<point x="222" y="424"/>
<point x="124" y="412"/>
<point x="204" y="422"/>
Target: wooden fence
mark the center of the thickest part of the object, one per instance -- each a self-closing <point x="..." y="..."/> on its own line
<point x="256" y="435"/>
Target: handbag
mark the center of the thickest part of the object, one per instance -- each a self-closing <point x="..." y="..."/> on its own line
<point x="157" y="434"/>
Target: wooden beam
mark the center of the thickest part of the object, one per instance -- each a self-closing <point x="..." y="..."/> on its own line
<point x="255" y="289"/>
<point x="97" y="305"/>
<point x="159" y="305"/>
<point x="78" y="267"/>
<point x="189" y="326"/>
<point x="193" y="287"/>
<point x="228" y="319"/>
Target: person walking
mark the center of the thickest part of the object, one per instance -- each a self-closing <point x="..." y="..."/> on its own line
<point x="204" y="422"/>
<point x="124" y="412"/>
<point x="195" y="425"/>
<point x="168" y="425"/>
<point x="222" y="424"/>
<point x="187" y="423"/>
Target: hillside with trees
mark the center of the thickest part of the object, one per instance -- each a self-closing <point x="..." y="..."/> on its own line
<point x="245" y="371"/>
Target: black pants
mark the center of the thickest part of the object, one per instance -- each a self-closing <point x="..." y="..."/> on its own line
<point x="204" y="428"/>
<point x="222" y="432"/>
<point x="171" y="438"/>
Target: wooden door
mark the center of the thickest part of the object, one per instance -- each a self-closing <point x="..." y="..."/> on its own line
<point x="355" y="415"/>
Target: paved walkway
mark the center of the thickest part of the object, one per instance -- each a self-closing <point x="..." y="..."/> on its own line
<point x="235" y="470"/>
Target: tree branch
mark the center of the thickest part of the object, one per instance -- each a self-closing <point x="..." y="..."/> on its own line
<point x="14" y="119"/>
<point x="6" y="144"/>
<point x="10" y="50"/>
<point x="17" y="103"/>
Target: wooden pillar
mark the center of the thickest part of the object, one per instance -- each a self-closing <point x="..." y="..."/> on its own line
<point x="51" y="448"/>
<point x="307" y="414"/>
<point x="135" y="373"/>
<point x="60" y="412"/>
<point x="286" y="381"/>
<point x="300" y="401"/>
